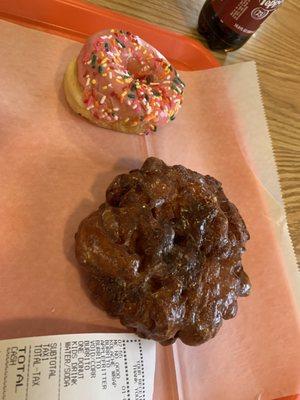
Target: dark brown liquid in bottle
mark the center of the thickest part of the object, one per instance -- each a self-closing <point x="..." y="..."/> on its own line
<point x="217" y="34"/>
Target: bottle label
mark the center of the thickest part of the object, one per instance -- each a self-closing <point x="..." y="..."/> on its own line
<point x="244" y="16"/>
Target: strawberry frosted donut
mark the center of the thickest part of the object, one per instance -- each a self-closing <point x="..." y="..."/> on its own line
<point x="122" y="83"/>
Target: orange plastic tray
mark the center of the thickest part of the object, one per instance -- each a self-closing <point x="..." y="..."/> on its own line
<point x="78" y="20"/>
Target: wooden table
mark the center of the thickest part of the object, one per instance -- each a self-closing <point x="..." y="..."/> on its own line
<point x="276" y="50"/>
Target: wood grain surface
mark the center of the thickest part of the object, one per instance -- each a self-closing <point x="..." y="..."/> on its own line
<point x="276" y="50"/>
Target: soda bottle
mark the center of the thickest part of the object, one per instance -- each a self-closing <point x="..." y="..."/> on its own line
<point x="228" y="24"/>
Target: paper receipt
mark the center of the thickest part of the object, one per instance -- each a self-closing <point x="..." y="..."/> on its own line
<point x="84" y="366"/>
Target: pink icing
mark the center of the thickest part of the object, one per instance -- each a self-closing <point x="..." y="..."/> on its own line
<point x="125" y="79"/>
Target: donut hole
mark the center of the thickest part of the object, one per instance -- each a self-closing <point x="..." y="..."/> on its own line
<point x="134" y="69"/>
